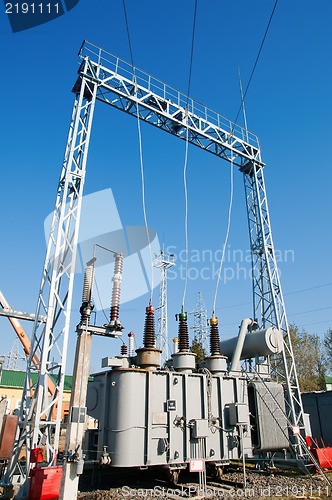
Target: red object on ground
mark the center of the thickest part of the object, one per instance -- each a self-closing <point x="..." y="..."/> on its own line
<point x="36" y="455"/>
<point x="308" y="440"/>
<point x="323" y="457"/>
<point x="45" y="483"/>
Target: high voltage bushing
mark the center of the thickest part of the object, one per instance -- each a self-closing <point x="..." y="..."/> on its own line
<point x="149" y="332"/>
<point x="183" y="331"/>
<point x="148" y="357"/>
<point x="87" y="306"/>
<point x="183" y="360"/>
<point x="117" y="278"/>
<point x="214" y="336"/>
<point x="131" y="337"/>
<point x="123" y="350"/>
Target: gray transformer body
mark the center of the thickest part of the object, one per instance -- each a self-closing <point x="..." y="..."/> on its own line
<point x="149" y="418"/>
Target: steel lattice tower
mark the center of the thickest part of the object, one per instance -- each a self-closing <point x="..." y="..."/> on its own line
<point x="40" y="416"/>
<point x="108" y="79"/>
<point x="14" y="356"/>
<point x="200" y="328"/>
<point x="163" y="263"/>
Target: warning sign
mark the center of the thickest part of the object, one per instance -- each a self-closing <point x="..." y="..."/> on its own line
<point x="196" y="465"/>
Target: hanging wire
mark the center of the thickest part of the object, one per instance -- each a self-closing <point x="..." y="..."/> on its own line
<point x="99" y="297"/>
<point x="192" y="50"/>
<point x="186" y="158"/>
<point x="186" y="218"/>
<point x="256" y="62"/>
<point x="143" y="196"/>
<point x="140" y="150"/>
<point x="128" y="33"/>
<point x="227" y="234"/>
<point x="242" y="102"/>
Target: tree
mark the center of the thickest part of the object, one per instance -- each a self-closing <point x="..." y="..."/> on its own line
<point x="328" y="349"/>
<point x="310" y="359"/>
<point x="198" y="349"/>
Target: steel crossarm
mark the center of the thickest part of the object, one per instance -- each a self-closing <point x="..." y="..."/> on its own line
<point x="135" y="92"/>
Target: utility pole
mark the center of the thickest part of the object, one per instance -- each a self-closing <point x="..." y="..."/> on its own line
<point x="73" y="459"/>
<point x="163" y="262"/>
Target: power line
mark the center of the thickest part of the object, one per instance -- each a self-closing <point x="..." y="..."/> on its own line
<point x="310" y="311"/>
<point x="226" y="236"/>
<point x="186" y="159"/>
<point x="140" y="151"/>
<point x="307" y="289"/>
<point x="143" y="197"/>
<point x="317" y="323"/>
<point x="128" y="33"/>
<point x="257" y="59"/>
<point x="186" y="217"/>
<point x="192" y="50"/>
<point x="285" y="294"/>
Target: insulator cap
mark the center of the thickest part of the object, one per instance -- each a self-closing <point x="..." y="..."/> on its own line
<point x="149" y="309"/>
<point x="214" y="320"/>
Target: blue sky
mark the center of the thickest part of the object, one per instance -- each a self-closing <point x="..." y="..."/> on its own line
<point x="288" y="106"/>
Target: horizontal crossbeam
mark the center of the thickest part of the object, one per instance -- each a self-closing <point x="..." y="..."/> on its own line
<point x="139" y="94"/>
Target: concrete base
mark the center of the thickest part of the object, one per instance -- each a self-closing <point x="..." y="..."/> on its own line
<point x="184" y="361"/>
<point x="216" y="364"/>
<point x="148" y="359"/>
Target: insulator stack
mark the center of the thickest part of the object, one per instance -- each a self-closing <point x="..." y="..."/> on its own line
<point x="214" y="336"/>
<point x="149" y="333"/>
<point x="183" y="332"/>
<point x="88" y="281"/>
<point x="131" y="337"/>
<point x="123" y="350"/>
<point x="175" y="345"/>
<point x="87" y="306"/>
<point x="117" y="278"/>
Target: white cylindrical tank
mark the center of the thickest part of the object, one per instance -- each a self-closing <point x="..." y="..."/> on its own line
<point x="257" y="343"/>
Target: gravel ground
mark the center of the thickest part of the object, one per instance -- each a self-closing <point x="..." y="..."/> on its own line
<point x="259" y="485"/>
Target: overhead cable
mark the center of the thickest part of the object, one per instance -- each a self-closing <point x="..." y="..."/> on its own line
<point x="186" y="157"/>
<point x="227" y="233"/>
<point x="257" y="59"/>
<point x="140" y="152"/>
<point x="128" y="33"/>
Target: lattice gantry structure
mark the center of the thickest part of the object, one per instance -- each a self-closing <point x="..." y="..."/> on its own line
<point x="41" y="407"/>
<point x="164" y="263"/>
<point x="200" y="328"/>
<point x="106" y="78"/>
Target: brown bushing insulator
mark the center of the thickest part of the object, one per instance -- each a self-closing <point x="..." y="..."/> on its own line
<point x="183" y="335"/>
<point x="214" y="340"/>
<point x="114" y="313"/>
<point x="214" y="336"/>
<point x="123" y="350"/>
<point x="149" y="334"/>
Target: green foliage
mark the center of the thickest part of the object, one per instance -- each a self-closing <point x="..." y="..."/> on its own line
<point x="310" y="359"/>
<point x="328" y="349"/>
<point x="198" y="349"/>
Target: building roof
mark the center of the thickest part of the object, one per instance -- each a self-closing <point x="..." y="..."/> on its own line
<point x="16" y="378"/>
